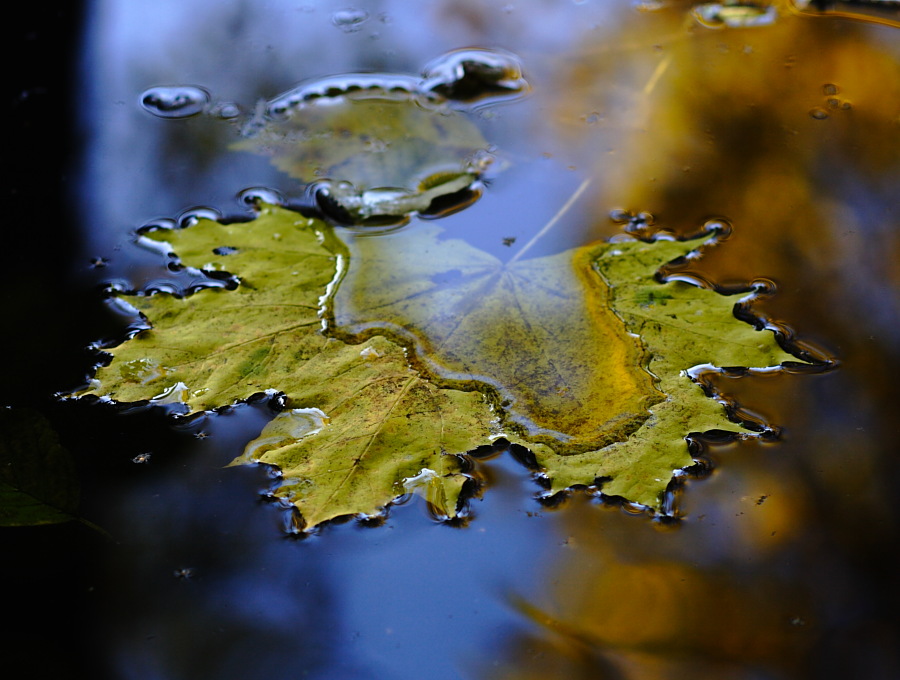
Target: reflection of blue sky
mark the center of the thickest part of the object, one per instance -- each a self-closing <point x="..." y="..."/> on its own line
<point x="139" y="168"/>
<point x="407" y="599"/>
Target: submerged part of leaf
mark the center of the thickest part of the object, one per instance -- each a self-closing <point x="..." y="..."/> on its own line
<point x="378" y="153"/>
<point x="37" y="475"/>
<point x="362" y="421"/>
<point x="538" y="331"/>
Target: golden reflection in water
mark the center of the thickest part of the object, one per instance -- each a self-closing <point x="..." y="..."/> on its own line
<point x="791" y="132"/>
<point x="711" y="600"/>
<point x="688" y="123"/>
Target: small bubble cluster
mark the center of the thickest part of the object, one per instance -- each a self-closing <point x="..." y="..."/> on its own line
<point x="832" y="103"/>
<point x="632" y="222"/>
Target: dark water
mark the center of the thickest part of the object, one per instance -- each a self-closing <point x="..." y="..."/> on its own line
<point x="783" y="564"/>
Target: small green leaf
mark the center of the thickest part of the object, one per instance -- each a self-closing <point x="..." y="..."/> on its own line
<point x="38" y="484"/>
<point x="681" y="326"/>
<point x="372" y="142"/>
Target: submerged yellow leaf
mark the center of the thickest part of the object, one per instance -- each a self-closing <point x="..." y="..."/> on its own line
<point x="539" y="331"/>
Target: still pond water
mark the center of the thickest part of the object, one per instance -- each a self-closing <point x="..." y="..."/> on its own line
<point x="782" y="562"/>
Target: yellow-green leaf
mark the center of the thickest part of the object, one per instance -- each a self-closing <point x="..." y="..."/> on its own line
<point x="381" y="422"/>
<point x="581" y="356"/>
<point x="682" y="326"/>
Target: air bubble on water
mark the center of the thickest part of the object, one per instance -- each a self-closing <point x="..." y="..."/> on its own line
<point x="829" y="89"/>
<point x="175" y="102"/>
<point x="158" y="224"/>
<point x="331" y="90"/>
<point x="226" y="110"/>
<point x="735" y="14"/>
<point x="474" y="75"/>
<point x="256" y="197"/>
<point x="193" y="215"/>
<point x="619" y="215"/>
<point x="818" y="113"/>
<point x="632" y="222"/>
<point x="648" y="5"/>
<point x="349" y="20"/>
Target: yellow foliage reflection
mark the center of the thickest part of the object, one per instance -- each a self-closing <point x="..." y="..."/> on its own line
<point x="789" y="130"/>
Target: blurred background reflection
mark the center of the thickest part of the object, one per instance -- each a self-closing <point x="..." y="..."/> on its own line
<point x="782" y="564"/>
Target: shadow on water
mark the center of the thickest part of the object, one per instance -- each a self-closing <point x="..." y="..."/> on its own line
<point x="781" y="565"/>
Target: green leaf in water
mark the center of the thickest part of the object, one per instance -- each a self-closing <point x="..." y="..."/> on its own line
<point x="376" y="423"/>
<point x="681" y="326"/>
<point x="38" y="484"/>
<point x="583" y="354"/>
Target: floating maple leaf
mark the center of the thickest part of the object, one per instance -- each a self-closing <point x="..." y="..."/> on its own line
<point x="587" y="351"/>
